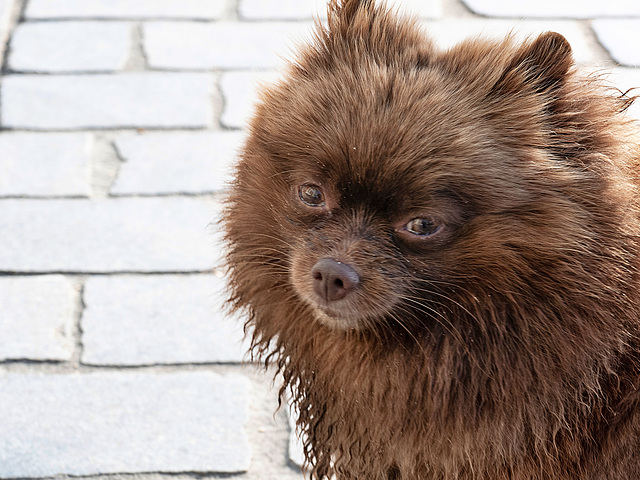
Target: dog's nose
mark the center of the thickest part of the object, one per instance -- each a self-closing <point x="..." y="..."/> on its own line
<point x="333" y="280"/>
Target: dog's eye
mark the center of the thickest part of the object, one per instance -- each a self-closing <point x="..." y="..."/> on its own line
<point x="422" y="226"/>
<point x="311" y="195"/>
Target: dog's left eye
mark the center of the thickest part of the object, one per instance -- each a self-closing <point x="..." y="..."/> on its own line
<point x="311" y="195"/>
<point x="422" y="226"/>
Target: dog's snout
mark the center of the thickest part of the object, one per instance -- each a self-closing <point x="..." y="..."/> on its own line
<point x="333" y="280"/>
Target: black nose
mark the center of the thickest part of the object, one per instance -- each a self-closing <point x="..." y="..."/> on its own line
<point x="333" y="280"/>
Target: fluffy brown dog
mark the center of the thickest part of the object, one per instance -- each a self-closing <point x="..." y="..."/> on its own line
<point x="440" y="252"/>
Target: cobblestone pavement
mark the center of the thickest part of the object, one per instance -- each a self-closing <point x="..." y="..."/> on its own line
<point x="119" y="120"/>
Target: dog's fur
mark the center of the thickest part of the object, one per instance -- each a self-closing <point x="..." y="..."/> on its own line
<point x="502" y="346"/>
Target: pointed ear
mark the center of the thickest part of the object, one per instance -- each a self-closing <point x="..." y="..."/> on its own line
<point x="541" y="65"/>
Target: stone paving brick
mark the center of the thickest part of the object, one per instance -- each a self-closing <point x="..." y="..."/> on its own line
<point x="192" y="9"/>
<point x="555" y="8"/>
<point x="240" y="91"/>
<point x="447" y="33"/>
<point x="115" y="235"/>
<point x="296" y="448"/>
<point x="69" y="46"/>
<point x="201" y="46"/>
<point x="107" y="101"/>
<point x="5" y="6"/>
<point x="621" y="37"/>
<point x="37" y="315"/>
<point x="268" y="429"/>
<point x="51" y="164"/>
<point x="147" y="320"/>
<point x="306" y="9"/>
<point x="122" y="423"/>
<point x="161" y="163"/>
<point x="9" y="11"/>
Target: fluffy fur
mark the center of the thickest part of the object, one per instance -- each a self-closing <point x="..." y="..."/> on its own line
<point x="503" y="345"/>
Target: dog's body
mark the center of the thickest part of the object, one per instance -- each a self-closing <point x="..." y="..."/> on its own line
<point x="440" y="253"/>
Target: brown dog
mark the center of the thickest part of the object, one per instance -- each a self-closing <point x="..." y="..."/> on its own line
<point x="440" y="252"/>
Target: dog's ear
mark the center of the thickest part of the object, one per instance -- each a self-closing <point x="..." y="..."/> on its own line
<point x="541" y="65"/>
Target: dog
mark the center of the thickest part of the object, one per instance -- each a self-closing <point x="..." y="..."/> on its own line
<point x="439" y="252"/>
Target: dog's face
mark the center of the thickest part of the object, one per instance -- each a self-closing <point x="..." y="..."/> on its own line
<point x="400" y="183"/>
<point x="375" y="209"/>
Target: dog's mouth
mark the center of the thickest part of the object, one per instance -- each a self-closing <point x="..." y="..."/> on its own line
<point x="354" y="312"/>
<point x="335" y="318"/>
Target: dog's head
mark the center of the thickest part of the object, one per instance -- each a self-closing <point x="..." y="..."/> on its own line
<point x="408" y="186"/>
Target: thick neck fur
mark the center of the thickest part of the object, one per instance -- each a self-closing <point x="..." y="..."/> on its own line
<point x="504" y="405"/>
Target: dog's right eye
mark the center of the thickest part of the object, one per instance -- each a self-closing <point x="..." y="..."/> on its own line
<point x="422" y="227"/>
<point x="311" y="195"/>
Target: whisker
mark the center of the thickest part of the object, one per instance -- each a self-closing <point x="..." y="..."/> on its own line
<point x="434" y="315"/>
<point x="400" y="322"/>
<point x="454" y="302"/>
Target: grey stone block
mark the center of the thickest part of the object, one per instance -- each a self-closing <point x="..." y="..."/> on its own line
<point x="107" y="101"/>
<point x="37" y="317"/>
<point x="44" y="164"/>
<point x="240" y="91"/>
<point x="621" y="38"/>
<point x="162" y="163"/>
<point x="421" y="8"/>
<point x="5" y="13"/>
<point x="306" y="9"/>
<point x="282" y="9"/>
<point x="268" y="430"/>
<point x="136" y="320"/>
<point x="119" y="422"/>
<point x="4" y="7"/>
<point x="224" y="45"/>
<point x="555" y="8"/>
<point x="69" y="46"/>
<point x="296" y="439"/>
<point x="196" y="9"/>
<point x="115" y="235"/>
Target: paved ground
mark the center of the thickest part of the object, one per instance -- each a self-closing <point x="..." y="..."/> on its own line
<point x="119" y="119"/>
